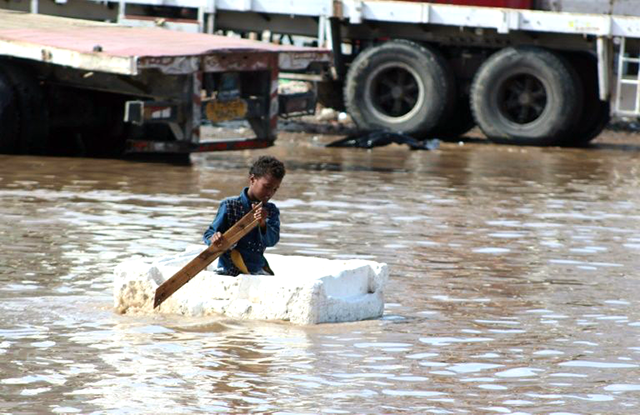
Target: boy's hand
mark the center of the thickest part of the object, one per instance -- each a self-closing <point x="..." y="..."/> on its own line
<point x="261" y="214"/>
<point x="217" y="239"/>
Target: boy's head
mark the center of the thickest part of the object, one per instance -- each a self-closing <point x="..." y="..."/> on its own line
<point x="267" y="165"/>
<point x="265" y="176"/>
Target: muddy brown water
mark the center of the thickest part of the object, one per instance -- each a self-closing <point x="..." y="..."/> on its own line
<point x="514" y="284"/>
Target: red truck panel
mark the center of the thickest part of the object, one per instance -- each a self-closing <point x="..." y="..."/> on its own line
<point x="512" y="4"/>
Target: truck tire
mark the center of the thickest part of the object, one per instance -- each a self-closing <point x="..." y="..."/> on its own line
<point x="526" y="95"/>
<point x="9" y="118"/>
<point x="595" y="113"/>
<point x="399" y="86"/>
<point x="33" y="122"/>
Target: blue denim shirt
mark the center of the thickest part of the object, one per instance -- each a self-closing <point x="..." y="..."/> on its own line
<point x="253" y="245"/>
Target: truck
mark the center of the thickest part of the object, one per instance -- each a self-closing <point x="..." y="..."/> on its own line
<point x="82" y="87"/>
<point x="526" y="72"/>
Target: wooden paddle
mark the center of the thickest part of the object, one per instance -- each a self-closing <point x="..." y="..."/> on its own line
<point x="206" y="257"/>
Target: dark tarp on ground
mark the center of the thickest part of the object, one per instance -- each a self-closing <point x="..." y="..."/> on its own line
<point x="370" y="139"/>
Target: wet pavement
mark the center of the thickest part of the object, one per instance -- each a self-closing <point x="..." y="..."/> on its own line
<point x="514" y="283"/>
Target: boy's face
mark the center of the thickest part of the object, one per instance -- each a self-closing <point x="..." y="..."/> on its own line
<point x="263" y="188"/>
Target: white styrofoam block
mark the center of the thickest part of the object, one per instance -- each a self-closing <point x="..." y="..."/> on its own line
<point x="305" y="290"/>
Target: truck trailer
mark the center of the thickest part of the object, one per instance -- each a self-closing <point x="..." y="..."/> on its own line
<point x="70" y="86"/>
<point x="532" y="72"/>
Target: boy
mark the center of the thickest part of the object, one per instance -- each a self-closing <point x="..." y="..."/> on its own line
<point x="247" y="257"/>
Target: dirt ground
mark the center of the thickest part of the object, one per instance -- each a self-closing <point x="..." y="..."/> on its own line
<point x="332" y="123"/>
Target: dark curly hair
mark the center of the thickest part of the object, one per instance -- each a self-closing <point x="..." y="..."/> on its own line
<point x="267" y="165"/>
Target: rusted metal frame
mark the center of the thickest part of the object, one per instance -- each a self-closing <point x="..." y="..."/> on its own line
<point x="194" y="112"/>
<point x="189" y="69"/>
<point x="172" y="65"/>
<point x="297" y="104"/>
<point x="177" y="147"/>
<point x="241" y="144"/>
<point x="265" y="126"/>
<point x="239" y="61"/>
<point x="273" y="97"/>
<point x="299" y="61"/>
<point x="144" y="112"/>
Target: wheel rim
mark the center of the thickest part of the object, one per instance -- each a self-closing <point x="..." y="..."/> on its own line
<point x="522" y="98"/>
<point x="394" y="92"/>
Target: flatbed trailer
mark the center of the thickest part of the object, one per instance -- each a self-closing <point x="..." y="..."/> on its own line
<point x="537" y="72"/>
<point x="106" y="89"/>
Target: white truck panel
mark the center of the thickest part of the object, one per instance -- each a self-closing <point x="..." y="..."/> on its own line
<point x="287" y="7"/>
<point x="616" y="7"/>
<point x="582" y="17"/>
<point x="169" y="3"/>
<point x="503" y="20"/>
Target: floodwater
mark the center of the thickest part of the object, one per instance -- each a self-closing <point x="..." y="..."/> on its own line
<point x="514" y="284"/>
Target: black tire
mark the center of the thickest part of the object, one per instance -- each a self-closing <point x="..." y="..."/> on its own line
<point x="526" y="95"/>
<point x="399" y="86"/>
<point x="9" y="118"/>
<point x="595" y="113"/>
<point x="34" y="117"/>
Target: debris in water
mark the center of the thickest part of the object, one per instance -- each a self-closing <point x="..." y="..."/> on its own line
<point x="378" y="138"/>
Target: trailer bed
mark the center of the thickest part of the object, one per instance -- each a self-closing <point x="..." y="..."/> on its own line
<point x="112" y="48"/>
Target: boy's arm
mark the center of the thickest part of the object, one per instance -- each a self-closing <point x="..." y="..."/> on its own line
<point x="219" y="224"/>
<point x="271" y="233"/>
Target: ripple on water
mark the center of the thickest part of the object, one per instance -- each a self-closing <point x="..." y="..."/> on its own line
<point x="598" y="365"/>
<point x="412" y="393"/>
<point x="507" y="235"/>
<point x="384" y="346"/>
<point x="490" y="250"/>
<point x="504" y="280"/>
<point x="494" y="387"/>
<point x="447" y="341"/>
<point x="548" y="353"/>
<point x="622" y="387"/>
<point x="519" y="372"/>
<point x="472" y="367"/>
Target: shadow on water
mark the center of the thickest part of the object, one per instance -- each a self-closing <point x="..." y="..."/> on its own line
<point x="173" y="159"/>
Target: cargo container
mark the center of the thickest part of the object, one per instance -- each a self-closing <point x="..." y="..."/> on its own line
<point x="537" y="72"/>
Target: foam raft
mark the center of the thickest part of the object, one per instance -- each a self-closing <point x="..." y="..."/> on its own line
<point x="305" y="290"/>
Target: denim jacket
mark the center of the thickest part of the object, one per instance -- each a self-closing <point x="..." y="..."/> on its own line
<point x="253" y="245"/>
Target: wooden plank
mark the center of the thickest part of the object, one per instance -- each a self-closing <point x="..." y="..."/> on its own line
<point x="206" y="257"/>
